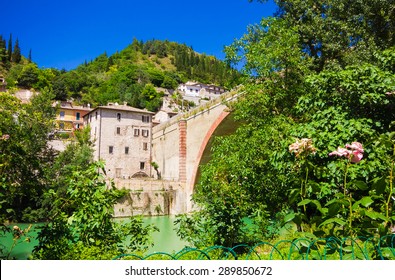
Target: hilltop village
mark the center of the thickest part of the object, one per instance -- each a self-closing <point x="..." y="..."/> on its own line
<point x="122" y="138"/>
<point x="121" y="133"/>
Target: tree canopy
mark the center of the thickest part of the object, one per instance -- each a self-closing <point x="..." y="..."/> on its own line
<point x="319" y="86"/>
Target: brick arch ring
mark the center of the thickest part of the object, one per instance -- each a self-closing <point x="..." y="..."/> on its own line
<point x="203" y="146"/>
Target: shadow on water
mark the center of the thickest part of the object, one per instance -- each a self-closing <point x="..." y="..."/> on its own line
<point x="166" y="240"/>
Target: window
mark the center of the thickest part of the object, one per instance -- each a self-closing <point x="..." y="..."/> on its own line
<point x="77" y="126"/>
<point x="142" y="165"/>
<point x="110" y="149"/>
<point x="145" y="119"/>
<point x="62" y="115"/>
<point x="145" y="132"/>
<point x="118" y="130"/>
<point x="136" y="132"/>
<point x="118" y="116"/>
<point x="145" y="146"/>
<point x="78" y="116"/>
<point x="96" y="115"/>
<point x="126" y="150"/>
<point x="118" y="172"/>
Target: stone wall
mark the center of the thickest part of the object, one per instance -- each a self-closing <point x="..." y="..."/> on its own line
<point x="150" y="198"/>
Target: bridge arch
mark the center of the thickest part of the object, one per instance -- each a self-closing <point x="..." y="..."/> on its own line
<point x="224" y="125"/>
<point x="182" y="144"/>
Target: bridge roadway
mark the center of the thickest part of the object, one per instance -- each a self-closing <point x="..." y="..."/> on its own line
<point x="182" y="144"/>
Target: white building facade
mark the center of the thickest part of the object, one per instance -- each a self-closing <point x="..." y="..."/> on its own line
<point x="194" y="89"/>
<point x="122" y="138"/>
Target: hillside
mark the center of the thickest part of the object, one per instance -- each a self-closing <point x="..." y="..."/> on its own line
<point x="129" y="75"/>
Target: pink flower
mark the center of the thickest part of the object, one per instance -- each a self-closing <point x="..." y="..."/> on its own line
<point x="304" y="145"/>
<point x="341" y="152"/>
<point x="355" y="155"/>
<point x="355" y="146"/>
<point x="5" y="137"/>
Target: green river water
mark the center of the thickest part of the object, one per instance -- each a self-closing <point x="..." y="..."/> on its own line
<point x="166" y="240"/>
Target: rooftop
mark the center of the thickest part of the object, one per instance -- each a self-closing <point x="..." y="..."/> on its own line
<point x="116" y="106"/>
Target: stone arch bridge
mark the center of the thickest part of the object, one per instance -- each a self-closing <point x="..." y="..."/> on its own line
<point x="183" y="143"/>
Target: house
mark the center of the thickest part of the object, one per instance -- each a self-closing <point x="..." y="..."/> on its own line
<point x="69" y="117"/>
<point x="163" y="115"/>
<point x="194" y="89"/>
<point x="122" y="138"/>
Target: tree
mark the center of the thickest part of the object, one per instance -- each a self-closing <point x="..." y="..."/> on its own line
<point x="77" y="155"/>
<point x="150" y="98"/>
<point x="3" y="51"/>
<point x="25" y="154"/>
<point x="89" y="231"/>
<point x="306" y="81"/>
<point x="16" y="54"/>
<point x="29" y="76"/>
<point x="9" y="49"/>
<point x="337" y="31"/>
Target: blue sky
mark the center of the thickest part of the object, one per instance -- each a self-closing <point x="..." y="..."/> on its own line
<point x="63" y="34"/>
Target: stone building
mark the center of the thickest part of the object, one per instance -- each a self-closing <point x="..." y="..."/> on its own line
<point x="194" y="89"/>
<point x="122" y="138"/>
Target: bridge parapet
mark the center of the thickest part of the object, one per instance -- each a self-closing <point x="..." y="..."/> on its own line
<point x="224" y="98"/>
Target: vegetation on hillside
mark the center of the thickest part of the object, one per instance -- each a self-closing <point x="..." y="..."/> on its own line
<point x="125" y="76"/>
<point x="315" y="153"/>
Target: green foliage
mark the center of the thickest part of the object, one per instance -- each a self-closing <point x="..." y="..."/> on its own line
<point x="121" y="77"/>
<point x="311" y="74"/>
<point x="82" y="227"/>
<point x="24" y="155"/>
<point x="16" y="54"/>
<point x="150" y="98"/>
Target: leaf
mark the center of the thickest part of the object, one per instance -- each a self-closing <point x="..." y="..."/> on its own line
<point x="304" y="202"/>
<point x="333" y="220"/>
<point x="375" y="215"/>
<point x="366" y="201"/>
<point x="318" y="205"/>
<point x="333" y="209"/>
<point x="361" y="185"/>
<point x="379" y="185"/>
<point x="289" y="217"/>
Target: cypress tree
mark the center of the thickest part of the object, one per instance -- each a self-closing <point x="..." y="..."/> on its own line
<point x="30" y="55"/>
<point x="16" y="54"/>
<point x="9" y="50"/>
<point x="3" y="50"/>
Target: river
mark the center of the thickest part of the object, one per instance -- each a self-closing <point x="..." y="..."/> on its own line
<point x="166" y="240"/>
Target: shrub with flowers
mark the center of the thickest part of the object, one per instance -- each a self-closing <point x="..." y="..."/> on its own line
<point x="355" y="154"/>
